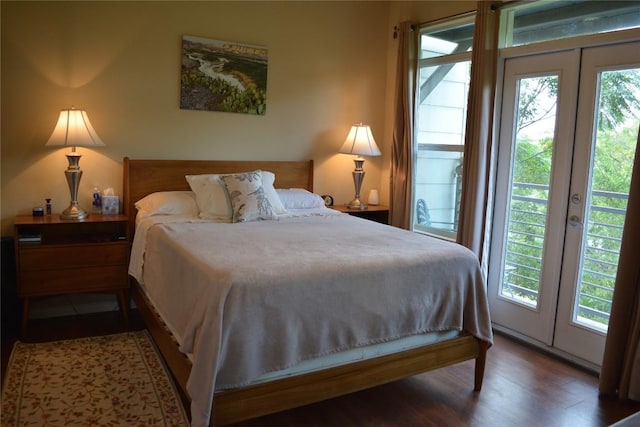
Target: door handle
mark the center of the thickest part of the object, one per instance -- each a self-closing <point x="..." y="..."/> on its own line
<point x="575" y="221"/>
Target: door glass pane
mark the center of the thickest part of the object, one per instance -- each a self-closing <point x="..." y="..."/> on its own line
<point x="529" y="189"/>
<point x="614" y="145"/>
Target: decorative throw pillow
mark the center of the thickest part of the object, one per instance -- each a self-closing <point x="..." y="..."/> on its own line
<point x="211" y="196"/>
<point x="247" y="196"/>
<point x="213" y="201"/>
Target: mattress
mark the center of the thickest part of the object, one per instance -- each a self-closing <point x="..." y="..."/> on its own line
<point x="357" y="354"/>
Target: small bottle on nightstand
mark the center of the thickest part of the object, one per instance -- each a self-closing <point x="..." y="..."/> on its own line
<point x="96" y="205"/>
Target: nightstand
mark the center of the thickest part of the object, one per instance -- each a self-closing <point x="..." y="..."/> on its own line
<point x="56" y="256"/>
<point x="377" y="213"/>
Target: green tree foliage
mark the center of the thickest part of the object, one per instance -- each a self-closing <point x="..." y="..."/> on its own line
<point x="619" y="97"/>
<point x="530" y="110"/>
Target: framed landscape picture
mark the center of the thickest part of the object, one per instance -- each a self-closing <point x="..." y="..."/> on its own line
<point x="223" y="76"/>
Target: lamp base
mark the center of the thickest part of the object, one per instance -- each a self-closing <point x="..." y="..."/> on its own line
<point x="357" y="204"/>
<point x="358" y="176"/>
<point x="73" y="175"/>
<point x="74" y="212"/>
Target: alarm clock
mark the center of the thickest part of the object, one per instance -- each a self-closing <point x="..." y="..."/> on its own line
<point x="328" y="200"/>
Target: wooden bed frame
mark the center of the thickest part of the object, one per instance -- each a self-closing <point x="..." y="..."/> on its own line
<point x="142" y="177"/>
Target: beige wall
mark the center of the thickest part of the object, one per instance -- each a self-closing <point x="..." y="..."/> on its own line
<point x="331" y="64"/>
<point x="121" y="61"/>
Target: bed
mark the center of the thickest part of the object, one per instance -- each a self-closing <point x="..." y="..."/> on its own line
<point x="291" y="352"/>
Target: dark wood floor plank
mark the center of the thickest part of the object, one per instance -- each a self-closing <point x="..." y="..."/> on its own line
<point x="522" y="387"/>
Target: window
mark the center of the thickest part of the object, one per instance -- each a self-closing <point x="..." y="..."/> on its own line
<point x="441" y="113"/>
<point x="534" y="22"/>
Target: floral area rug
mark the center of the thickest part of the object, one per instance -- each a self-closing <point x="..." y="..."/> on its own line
<point x="113" y="380"/>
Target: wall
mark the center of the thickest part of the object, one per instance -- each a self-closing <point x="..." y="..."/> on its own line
<point x="331" y="64"/>
<point x="121" y="62"/>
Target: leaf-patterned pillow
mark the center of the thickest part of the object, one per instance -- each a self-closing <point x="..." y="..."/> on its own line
<point x="248" y="200"/>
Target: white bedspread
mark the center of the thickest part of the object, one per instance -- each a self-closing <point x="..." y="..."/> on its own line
<point x="249" y="298"/>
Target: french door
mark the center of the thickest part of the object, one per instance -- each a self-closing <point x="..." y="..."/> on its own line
<point x="568" y="130"/>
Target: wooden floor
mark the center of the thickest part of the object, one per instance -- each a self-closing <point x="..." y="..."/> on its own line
<point x="522" y="387"/>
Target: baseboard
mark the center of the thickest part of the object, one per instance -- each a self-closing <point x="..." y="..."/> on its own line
<point x="559" y="354"/>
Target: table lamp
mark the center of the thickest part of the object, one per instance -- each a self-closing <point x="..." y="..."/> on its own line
<point x="361" y="143"/>
<point x="74" y="129"/>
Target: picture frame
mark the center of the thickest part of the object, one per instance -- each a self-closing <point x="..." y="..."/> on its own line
<point x="223" y="76"/>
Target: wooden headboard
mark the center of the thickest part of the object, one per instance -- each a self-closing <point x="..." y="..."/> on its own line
<point x="143" y="177"/>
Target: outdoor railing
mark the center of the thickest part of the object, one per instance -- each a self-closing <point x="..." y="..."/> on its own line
<point x="525" y="244"/>
<point x="528" y="214"/>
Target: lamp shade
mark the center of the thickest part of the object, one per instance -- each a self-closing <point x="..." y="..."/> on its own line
<point x="360" y="142"/>
<point x="74" y="129"/>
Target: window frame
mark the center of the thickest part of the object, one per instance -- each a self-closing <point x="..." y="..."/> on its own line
<point x="463" y="20"/>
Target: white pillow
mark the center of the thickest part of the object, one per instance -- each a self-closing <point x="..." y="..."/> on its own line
<point x="211" y="196"/>
<point x="213" y="200"/>
<point x="268" y="180"/>
<point x="248" y="199"/>
<point x="168" y="203"/>
<point x="299" y="198"/>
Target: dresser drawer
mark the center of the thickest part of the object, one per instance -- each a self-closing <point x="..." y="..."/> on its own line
<point x="84" y="279"/>
<point x="46" y="257"/>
